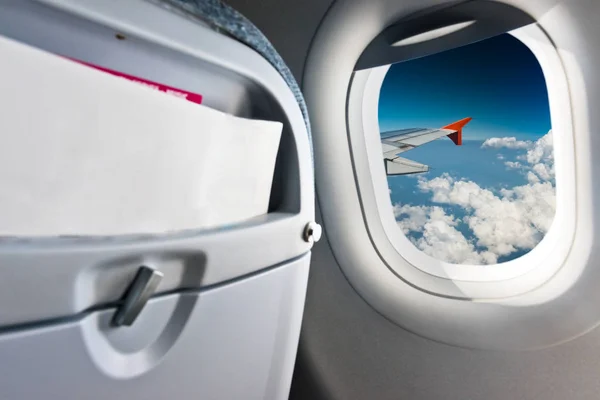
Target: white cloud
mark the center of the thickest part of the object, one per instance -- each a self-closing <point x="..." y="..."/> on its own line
<point x="515" y="220"/>
<point x="414" y="217"/>
<point x="541" y="157"/>
<point x="439" y="236"/>
<point x="501" y="222"/>
<point x="544" y="172"/>
<point x="532" y="178"/>
<point x="446" y="189"/>
<point x="506" y="142"/>
<point x="542" y="149"/>
<point x="513" y="164"/>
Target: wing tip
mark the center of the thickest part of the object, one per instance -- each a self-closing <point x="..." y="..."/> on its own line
<point x="457" y="126"/>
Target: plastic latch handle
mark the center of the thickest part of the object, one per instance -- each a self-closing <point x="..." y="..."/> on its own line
<point x="141" y="289"/>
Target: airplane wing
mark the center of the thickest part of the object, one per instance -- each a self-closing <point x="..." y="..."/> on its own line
<point x="394" y="143"/>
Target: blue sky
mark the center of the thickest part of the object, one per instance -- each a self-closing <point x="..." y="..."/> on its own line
<point x="497" y="81"/>
<point x="487" y="201"/>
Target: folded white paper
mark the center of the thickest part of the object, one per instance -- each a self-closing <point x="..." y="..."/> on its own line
<point x="83" y="152"/>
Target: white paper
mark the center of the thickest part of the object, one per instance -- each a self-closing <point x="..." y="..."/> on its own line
<point x="83" y="152"/>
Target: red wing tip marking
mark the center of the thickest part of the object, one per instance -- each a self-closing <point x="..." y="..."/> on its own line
<point x="457" y="126"/>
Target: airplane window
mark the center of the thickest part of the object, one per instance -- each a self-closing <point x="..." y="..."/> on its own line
<point x="467" y="147"/>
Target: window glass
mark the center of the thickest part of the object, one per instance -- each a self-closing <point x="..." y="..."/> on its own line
<point x="470" y="191"/>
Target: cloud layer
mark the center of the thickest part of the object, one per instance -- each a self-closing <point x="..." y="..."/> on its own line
<point x="438" y="236"/>
<point x="506" y="142"/>
<point x="498" y="223"/>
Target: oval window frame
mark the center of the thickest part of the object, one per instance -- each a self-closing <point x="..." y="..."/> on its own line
<point x="550" y="314"/>
<point x="503" y="280"/>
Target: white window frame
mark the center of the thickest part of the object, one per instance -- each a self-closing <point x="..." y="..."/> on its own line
<point x="531" y="269"/>
<point x="564" y="305"/>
